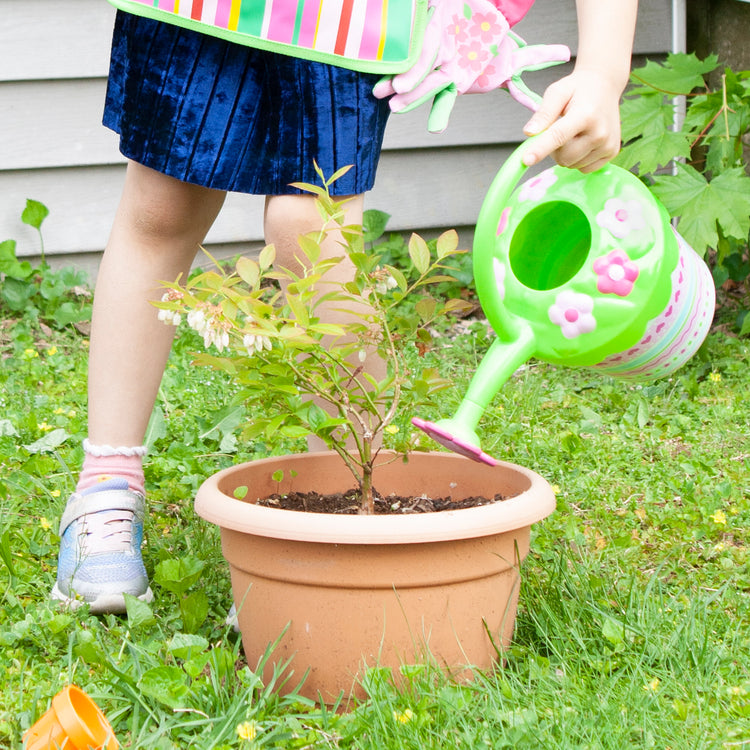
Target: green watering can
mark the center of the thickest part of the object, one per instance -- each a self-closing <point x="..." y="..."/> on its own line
<point x="583" y="270"/>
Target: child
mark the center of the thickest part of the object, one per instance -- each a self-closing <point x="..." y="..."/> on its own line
<point x="197" y="117"/>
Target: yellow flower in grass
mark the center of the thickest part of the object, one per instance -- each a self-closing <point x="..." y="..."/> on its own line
<point x="391" y="429"/>
<point x="714" y="377"/>
<point x="652" y="686"/>
<point x="248" y="730"/>
<point x="43" y="522"/>
<point x="403" y="717"/>
<point x="719" y="518"/>
<point x="52" y="351"/>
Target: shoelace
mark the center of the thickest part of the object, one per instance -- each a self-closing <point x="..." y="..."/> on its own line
<point x="106" y="531"/>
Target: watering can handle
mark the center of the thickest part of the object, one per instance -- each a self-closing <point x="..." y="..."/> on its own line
<point x="500" y="190"/>
<point x="485" y="237"/>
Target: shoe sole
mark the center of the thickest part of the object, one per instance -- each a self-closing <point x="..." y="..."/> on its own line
<point x="104" y="604"/>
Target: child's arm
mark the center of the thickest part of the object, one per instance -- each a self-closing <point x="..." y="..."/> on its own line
<point x="580" y="113"/>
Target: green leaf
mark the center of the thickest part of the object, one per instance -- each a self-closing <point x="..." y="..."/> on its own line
<point x="184" y="645"/>
<point x="168" y="685"/>
<point x="298" y="309"/>
<point x="374" y="223"/>
<point x="426" y="308"/>
<point x="178" y="575"/>
<point x="458" y="306"/>
<point x="10" y="265"/>
<point x="59" y="623"/>
<point x="266" y="257"/>
<point x="310" y="246"/>
<point x="226" y="422"/>
<point x="294" y="431"/>
<point x="88" y="648"/>
<point x="399" y="277"/>
<point x="679" y="74"/>
<point x="650" y="152"/>
<point x="700" y="204"/>
<point x="7" y="428"/>
<point x="70" y="312"/>
<point x="194" y="610"/>
<point x="156" y="430"/>
<point x="338" y="174"/>
<point x="419" y="253"/>
<point x="447" y="243"/>
<point x="48" y="443"/>
<point x="249" y="271"/>
<point x="6" y="555"/>
<point x="646" y="114"/>
<point x="614" y="632"/>
<point x="16" y="293"/>
<point x="139" y="613"/>
<point x="34" y="213"/>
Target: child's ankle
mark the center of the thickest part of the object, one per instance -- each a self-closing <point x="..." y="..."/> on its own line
<point x="103" y="462"/>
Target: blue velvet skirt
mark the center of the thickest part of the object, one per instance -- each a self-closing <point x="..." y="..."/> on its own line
<point x="229" y="117"/>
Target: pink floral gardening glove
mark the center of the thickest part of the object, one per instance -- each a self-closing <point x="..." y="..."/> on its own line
<point x="467" y="48"/>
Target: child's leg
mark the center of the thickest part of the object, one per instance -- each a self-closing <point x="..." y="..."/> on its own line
<point x="287" y="217"/>
<point x="157" y="230"/>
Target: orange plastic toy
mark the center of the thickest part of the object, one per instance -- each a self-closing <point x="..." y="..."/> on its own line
<point x="73" y="722"/>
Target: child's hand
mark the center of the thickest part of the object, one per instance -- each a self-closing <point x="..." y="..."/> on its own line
<point x="580" y="117"/>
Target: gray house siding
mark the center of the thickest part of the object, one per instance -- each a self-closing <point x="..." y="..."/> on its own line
<point x="53" y="64"/>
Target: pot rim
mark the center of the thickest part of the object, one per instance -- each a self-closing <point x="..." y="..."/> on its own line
<point x="531" y="505"/>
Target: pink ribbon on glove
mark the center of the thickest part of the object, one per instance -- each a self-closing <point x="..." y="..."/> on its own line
<point x="467" y="48"/>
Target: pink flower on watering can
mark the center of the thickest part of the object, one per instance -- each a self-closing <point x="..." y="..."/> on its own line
<point x="620" y="217"/>
<point x="616" y="273"/>
<point x="572" y="312"/>
<point x="536" y="188"/>
<point x="502" y="224"/>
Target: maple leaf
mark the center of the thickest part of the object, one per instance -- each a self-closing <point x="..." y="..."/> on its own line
<point x="653" y="151"/>
<point x="701" y="205"/>
<point x="645" y="115"/>
<point x="679" y="74"/>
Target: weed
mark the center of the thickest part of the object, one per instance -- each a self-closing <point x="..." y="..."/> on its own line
<point x="37" y="293"/>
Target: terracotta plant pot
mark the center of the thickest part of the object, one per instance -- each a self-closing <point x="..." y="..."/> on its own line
<point x="360" y="591"/>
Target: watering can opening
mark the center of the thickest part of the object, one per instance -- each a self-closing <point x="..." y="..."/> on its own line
<point x="550" y="245"/>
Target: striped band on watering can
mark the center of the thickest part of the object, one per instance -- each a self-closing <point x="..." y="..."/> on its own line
<point x="583" y="270"/>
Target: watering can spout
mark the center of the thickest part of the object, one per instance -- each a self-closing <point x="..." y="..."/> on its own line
<point x="458" y="433"/>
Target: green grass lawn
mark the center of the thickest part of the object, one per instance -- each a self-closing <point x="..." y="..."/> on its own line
<point x="634" y="623"/>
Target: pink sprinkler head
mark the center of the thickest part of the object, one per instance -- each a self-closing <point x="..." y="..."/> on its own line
<point x="441" y="433"/>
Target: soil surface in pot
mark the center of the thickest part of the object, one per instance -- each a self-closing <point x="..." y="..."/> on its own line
<point x="346" y="503"/>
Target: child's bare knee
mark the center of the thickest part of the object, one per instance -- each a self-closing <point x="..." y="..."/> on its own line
<point x="159" y="208"/>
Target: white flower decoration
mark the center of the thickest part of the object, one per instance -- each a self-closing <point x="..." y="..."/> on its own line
<point x="572" y="312"/>
<point x="620" y="217"/>
<point x="536" y="188"/>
